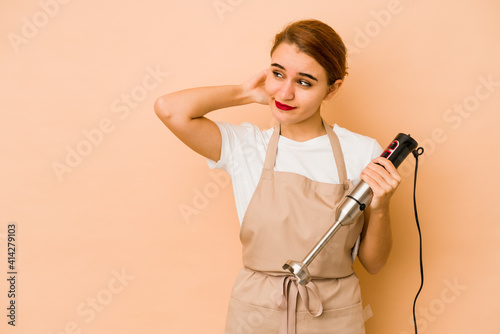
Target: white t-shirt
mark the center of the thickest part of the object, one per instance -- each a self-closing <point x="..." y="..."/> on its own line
<point x="244" y="151"/>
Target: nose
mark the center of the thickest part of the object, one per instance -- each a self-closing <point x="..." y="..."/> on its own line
<point x="286" y="91"/>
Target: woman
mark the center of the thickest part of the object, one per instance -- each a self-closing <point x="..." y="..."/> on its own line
<point x="287" y="183"/>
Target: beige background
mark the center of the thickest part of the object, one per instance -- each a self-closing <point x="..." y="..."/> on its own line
<point x="97" y="185"/>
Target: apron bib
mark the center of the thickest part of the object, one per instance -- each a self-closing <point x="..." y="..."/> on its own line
<point x="287" y="215"/>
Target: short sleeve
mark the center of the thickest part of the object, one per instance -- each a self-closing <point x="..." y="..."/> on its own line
<point x="234" y="140"/>
<point x="223" y="156"/>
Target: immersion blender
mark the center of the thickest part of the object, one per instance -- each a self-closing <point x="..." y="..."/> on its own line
<point x="352" y="206"/>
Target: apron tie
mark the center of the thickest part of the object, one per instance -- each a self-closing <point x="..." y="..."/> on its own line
<point x="287" y="302"/>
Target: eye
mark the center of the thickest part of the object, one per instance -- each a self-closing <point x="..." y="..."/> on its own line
<point x="277" y="74"/>
<point x="304" y="83"/>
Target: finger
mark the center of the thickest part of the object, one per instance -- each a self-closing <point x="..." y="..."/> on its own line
<point x="381" y="198"/>
<point x="376" y="181"/>
<point x="384" y="179"/>
<point x="389" y="167"/>
<point x="258" y="78"/>
<point x="264" y="73"/>
<point x="375" y="170"/>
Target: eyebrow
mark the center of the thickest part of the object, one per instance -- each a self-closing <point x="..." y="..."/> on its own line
<point x="300" y="73"/>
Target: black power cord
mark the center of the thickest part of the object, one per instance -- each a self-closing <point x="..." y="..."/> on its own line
<point x="416" y="153"/>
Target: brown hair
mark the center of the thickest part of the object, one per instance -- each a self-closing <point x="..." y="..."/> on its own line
<point x="319" y="41"/>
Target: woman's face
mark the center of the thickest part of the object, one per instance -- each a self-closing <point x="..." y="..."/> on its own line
<point x="296" y="85"/>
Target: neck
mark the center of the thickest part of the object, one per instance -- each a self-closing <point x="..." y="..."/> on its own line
<point x="307" y="129"/>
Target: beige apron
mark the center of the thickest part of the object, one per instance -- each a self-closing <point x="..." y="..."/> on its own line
<point x="286" y="217"/>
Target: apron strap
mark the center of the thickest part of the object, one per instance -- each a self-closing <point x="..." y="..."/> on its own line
<point x="272" y="149"/>
<point x="337" y="153"/>
<point x="287" y="302"/>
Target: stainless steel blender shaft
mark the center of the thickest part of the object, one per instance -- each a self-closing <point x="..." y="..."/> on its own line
<point x="347" y="212"/>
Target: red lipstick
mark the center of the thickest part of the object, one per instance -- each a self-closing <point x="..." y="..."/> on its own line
<point x="283" y="106"/>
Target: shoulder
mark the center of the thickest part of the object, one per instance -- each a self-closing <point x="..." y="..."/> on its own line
<point x="243" y="148"/>
<point x="350" y="137"/>
<point x="355" y="142"/>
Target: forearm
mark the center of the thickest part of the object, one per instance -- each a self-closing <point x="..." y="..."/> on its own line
<point x="376" y="241"/>
<point x="197" y="102"/>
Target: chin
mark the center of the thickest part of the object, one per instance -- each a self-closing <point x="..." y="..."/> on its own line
<point x="284" y="117"/>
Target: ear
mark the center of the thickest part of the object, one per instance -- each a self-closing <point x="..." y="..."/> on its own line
<point x="333" y="89"/>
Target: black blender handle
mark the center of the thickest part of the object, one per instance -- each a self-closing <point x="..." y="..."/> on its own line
<point x="399" y="149"/>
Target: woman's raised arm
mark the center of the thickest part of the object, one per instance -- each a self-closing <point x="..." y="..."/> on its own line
<point x="183" y="112"/>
